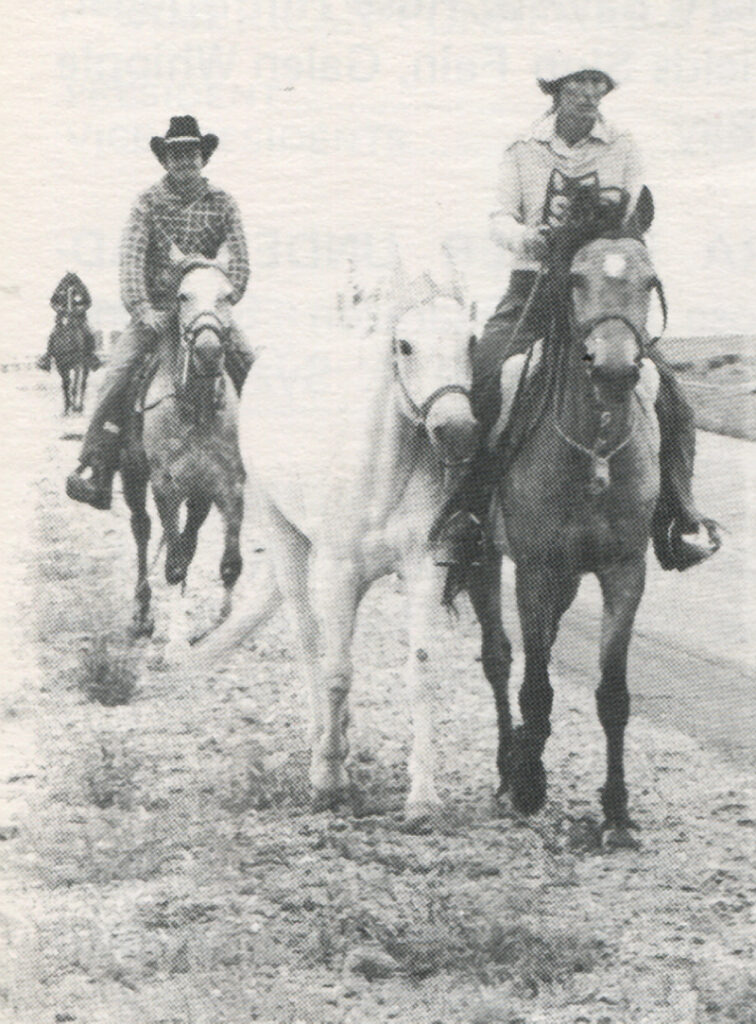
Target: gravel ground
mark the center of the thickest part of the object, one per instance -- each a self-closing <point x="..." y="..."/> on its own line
<point x="161" y="863"/>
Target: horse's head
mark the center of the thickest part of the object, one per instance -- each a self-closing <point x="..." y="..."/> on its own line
<point x="432" y="345"/>
<point x="610" y="286"/>
<point x="203" y="310"/>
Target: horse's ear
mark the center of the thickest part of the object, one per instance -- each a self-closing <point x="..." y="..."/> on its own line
<point x="175" y="254"/>
<point x="643" y="215"/>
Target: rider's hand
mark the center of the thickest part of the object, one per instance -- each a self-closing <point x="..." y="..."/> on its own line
<point x="535" y="242"/>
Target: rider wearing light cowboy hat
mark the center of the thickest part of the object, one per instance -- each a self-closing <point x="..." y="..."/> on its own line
<point x="185" y="210"/>
<point x="570" y="144"/>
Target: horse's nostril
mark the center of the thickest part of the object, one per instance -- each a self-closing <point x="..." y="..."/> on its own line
<point x="458" y="439"/>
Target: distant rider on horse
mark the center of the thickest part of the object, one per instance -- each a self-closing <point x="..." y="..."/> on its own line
<point x="185" y="210"/>
<point x="570" y="147"/>
<point x="71" y="300"/>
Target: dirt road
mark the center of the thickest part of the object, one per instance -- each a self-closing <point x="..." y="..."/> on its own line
<point x="160" y="863"/>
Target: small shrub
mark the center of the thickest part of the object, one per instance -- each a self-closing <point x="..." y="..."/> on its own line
<point x="109" y="673"/>
<point x="108" y="776"/>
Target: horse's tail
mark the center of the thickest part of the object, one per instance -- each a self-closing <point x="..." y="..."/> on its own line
<point x="253" y="609"/>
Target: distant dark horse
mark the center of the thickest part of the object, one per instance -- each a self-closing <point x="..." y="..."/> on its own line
<point x="70" y="349"/>
<point x="187" y="447"/>
<point x="577" y="490"/>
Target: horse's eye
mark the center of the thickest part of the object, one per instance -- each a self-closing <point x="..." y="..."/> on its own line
<point x="472" y="341"/>
<point x="182" y="297"/>
<point x="405" y="348"/>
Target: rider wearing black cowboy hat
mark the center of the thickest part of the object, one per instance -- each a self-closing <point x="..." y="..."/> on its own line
<point x="185" y="210"/>
<point x="571" y="144"/>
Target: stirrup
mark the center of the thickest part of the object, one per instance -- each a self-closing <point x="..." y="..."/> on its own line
<point x="459" y="540"/>
<point x="97" y="492"/>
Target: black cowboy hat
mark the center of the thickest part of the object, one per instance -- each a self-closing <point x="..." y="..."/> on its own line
<point x="183" y="130"/>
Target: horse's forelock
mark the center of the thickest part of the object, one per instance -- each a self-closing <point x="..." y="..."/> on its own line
<point x="419" y="292"/>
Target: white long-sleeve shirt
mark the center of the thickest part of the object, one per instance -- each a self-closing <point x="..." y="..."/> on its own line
<point x="529" y="161"/>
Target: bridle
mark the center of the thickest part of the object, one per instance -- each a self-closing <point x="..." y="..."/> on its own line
<point x="419" y="413"/>
<point x="207" y="320"/>
<point x="600" y="461"/>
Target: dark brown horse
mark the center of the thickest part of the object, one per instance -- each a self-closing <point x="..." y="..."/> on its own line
<point x="187" y="447"/>
<point x="577" y="491"/>
<point x="69" y="347"/>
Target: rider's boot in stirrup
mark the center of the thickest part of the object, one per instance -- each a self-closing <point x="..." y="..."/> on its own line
<point x="92" y="484"/>
<point x="457" y="538"/>
<point x="682" y="537"/>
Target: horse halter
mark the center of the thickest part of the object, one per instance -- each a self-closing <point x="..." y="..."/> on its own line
<point x="419" y="413"/>
<point x="206" y="320"/>
<point x="600" y="462"/>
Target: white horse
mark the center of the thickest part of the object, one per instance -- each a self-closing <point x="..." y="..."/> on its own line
<point x="348" y="444"/>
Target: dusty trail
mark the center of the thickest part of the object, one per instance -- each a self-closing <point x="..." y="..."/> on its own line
<point x="166" y="867"/>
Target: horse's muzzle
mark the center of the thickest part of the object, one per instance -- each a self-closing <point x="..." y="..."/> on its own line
<point x="208" y="351"/>
<point x="453" y="430"/>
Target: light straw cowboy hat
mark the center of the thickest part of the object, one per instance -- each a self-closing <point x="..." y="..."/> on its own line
<point x="559" y="65"/>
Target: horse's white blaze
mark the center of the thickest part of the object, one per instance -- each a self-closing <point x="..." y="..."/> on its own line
<point x="615" y="264"/>
<point x="205" y="290"/>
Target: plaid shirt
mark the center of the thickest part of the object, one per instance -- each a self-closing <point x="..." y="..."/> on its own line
<point x="159" y="217"/>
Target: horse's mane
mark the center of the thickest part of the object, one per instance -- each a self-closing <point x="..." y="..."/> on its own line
<point x="192" y="261"/>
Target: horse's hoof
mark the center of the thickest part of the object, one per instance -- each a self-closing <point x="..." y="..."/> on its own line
<point x="620" y="837"/>
<point x="421" y="816"/>
<point x="529" y="787"/>
<point x="174" y="653"/>
<point x="141" y="626"/>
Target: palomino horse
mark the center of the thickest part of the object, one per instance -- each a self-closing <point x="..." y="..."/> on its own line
<point x="68" y="347"/>
<point x="188" y="448"/>
<point x="577" y="494"/>
<point x="348" y="447"/>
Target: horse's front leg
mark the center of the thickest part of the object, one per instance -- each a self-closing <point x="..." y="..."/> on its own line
<point x="425" y="583"/>
<point x="543" y="595"/>
<point x="177" y="632"/>
<point x="496" y="654"/>
<point x="134" y="476"/>
<point x="622" y="587"/>
<point x="335" y="591"/>
<point x="65" y="384"/>
<point x="231" y="504"/>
